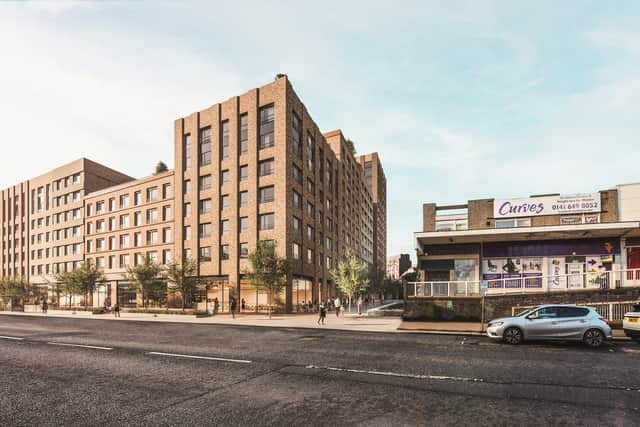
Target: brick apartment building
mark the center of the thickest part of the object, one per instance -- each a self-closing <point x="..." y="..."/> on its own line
<point x="377" y="185"/>
<point x="254" y="167"/>
<point x="397" y="265"/>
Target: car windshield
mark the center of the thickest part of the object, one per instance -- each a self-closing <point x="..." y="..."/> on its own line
<point x="526" y="312"/>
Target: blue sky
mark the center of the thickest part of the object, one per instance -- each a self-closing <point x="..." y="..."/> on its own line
<point x="462" y="99"/>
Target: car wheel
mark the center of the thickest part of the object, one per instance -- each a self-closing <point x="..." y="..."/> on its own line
<point x="593" y="338"/>
<point x="512" y="336"/>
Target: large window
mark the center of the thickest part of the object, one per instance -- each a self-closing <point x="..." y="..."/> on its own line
<point x="205" y="230"/>
<point x="244" y="199"/>
<point x="205" y="253"/>
<point x="311" y="144"/>
<point x="266" y="194"/>
<point x="244" y="173"/>
<point x="205" y="206"/>
<point x="296" y="137"/>
<point x="225" y="227"/>
<point x="244" y="224"/>
<point x="266" y="127"/>
<point x="187" y="151"/>
<point x="205" y="182"/>
<point x="297" y="199"/>
<point x="267" y="221"/>
<point x="514" y="222"/>
<point x="205" y="146"/>
<point x="244" y="134"/>
<point x="225" y="140"/>
<point x="295" y="251"/>
<point x="296" y="173"/>
<point x="224" y="252"/>
<point x="266" y="167"/>
<point x="225" y="201"/>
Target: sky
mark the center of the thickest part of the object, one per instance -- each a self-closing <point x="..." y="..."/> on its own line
<point x="461" y="99"/>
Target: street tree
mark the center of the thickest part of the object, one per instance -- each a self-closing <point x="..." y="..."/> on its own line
<point x="88" y="277"/>
<point x="161" y="167"/>
<point x="69" y="284"/>
<point x="146" y="278"/>
<point x="268" y="270"/>
<point x="351" y="275"/>
<point x="183" y="278"/>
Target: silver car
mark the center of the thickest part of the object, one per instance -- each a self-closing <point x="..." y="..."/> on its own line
<point x="552" y="322"/>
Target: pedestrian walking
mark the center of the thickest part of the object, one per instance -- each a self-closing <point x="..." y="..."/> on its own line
<point x="45" y="306"/>
<point x="116" y="310"/>
<point x="243" y="304"/>
<point x="359" y="306"/>
<point x="216" y="306"/>
<point x="323" y="314"/>
<point x="338" y="304"/>
<point x="232" y="307"/>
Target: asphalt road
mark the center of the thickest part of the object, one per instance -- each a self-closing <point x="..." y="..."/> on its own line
<point x="136" y="373"/>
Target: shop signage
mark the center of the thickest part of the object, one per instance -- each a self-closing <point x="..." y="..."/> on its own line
<point x="548" y="205"/>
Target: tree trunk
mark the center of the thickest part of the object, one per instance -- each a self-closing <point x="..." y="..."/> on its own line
<point x="269" y="305"/>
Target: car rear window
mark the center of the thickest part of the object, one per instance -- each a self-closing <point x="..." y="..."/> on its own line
<point x="572" y="311"/>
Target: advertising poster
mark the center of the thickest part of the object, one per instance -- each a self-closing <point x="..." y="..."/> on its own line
<point x="596" y="272"/>
<point x="556" y="277"/>
<point x="492" y="272"/>
<point x="532" y="272"/>
<point x="575" y="273"/>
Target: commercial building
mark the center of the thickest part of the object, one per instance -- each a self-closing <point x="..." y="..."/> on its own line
<point x="397" y="265"/>
<point x="536" y="244"/>
<point x="254" y="167"/>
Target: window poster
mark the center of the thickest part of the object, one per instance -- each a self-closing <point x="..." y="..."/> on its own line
<point x="532" y="272"/>
<point x="575" y="272"/>
<point x="492" y="271"/>
<point x="556" y="272"/>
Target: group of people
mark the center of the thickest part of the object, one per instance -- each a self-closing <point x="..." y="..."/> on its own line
<point x="339" y="305"/>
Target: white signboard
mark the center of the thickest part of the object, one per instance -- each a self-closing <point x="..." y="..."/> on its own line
<point x="548" y="205"/>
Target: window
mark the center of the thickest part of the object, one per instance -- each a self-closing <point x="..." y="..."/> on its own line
<point x="244" y="224"/>
<point x="99" y="207"/>
<point x="297" y="200"/>
<point x="311" y="189"/>
<point x="187" y="210"/>
<point x="296" y="137"/>
<point x="329" y="243"/>
<point x="311" y="144"/>
<point x="266" y="194"/>
<point x="187" y="232"/>
<point x="137" y="198"/>
<point x="137" y="218"/>
<point x="295" y="251"/>
<point x="124" y="201"/>
<point x="152" y="237"/>
<point x="187" y="151"/>
<point x="153" y="256"/>
<point x="166" y="191"/>
<point x="225" y="177"/>
<point x="166" y="213"/>
<point x="100" y="263"/>
<point x="296" y="224"/>
<point x="76" y="178"/>
<point x="166" y="256"/>
<point x="124" y="221"/>
<point x="124" y="241"/>
<point x="205" y="230"/>
<point x="244" y="250"/>
<point x="267" y="222"/>
<point x="152" y="194"/>
<point x="205" y="146"/>
<point x="205" y="206"/>
<point x="89" y="246"/>
<point x="152" y="216"/>
<point x="266" y="127"/>
<point x="244" y="173"/>
<point x="224" y="227"/>
<point x="167" y="235"/>
<point x="311" y="210"/>
<point x="187" y="186"/>
<point x="224" y="252"/>
<point x="205" y="254"/>
<point x="204" y="182"/>
<point x="224" y="201"/>
<point x="297" y="174"/>
<point x="112" y="243"/>
<point x="112" y="204"/>
<point x="244" y="199"/>
<point x="244" y="134"/>
<point x="512" y="223"/>
<point x="266" y="167"/>
<point x="89" y="210"/>
<point x="137" y="239"/>
<point x="309" y="256"/>
<point x="310" y="234"/>
<point x="186" y="254"/>
<point x="225" y="140"/>
<point x="124" y="261"/>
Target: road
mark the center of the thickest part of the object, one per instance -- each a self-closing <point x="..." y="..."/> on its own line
<point x="76" y="372"/>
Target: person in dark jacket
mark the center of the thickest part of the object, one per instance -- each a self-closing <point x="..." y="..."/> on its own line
<point x="116" y="310"/>
<point x="323" y="314"/>
<point x="232" y="307"/>
<point x="45" y="306"/>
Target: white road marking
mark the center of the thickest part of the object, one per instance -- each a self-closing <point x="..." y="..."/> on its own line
<point x="188" y="356"/>
<point x="11" y="338"/>
<point x="94" y="347"/>
<point x="396" y="374"/>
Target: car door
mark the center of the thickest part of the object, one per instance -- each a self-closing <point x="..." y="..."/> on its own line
<point x="571" y="322"/>
<point x="540" y="323"/>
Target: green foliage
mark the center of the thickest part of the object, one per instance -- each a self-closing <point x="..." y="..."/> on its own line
<point x="161" y="167"/>
<point x="81" y="281"/>
<point x="351" y="146"/>
<point x="183" y="278"/>
<point x="268" y="270"/>
<point x="351" y="275"/>
<point x="146" y="278"/>
<point x="14" y="287"/>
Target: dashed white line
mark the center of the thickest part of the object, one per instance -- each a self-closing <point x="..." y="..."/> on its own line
<point x="188" y="356"/>
<point x="396" y="374"/>
<point x="11" y="338"/>
<point x="94" y="347"/>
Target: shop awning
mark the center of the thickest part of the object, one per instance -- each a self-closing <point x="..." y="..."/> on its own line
<point x="551" y="232"/>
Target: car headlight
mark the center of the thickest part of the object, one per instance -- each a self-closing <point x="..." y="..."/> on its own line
<point x="496" y="324"/>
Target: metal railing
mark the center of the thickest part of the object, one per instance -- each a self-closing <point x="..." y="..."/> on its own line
<point x="612" y="311"/>
<point x="531" y="283"/>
